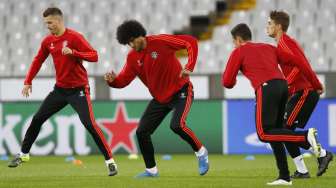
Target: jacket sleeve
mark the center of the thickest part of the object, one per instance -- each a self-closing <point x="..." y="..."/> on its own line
<point x="178" y="42"/>
<point x="284" y="45"/>
<point x="126" y="75"/>
<point x="232" y="68"/>
<point x="38" y="60"/>
<point x="83" y="50"/>
<point x="294" y="60"/>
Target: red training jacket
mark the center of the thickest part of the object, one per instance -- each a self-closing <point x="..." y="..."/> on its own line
<point x="157" y="66"/>
<point x="70" y="71"/>
<point x="295" y="78"/>
<point x="257" y="61"/>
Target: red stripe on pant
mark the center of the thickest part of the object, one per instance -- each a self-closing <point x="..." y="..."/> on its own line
<point x="94" y="124"/>
<point x="184" y="116"/>
<point x="297" y="108"/>
<point x="271" y="137"/>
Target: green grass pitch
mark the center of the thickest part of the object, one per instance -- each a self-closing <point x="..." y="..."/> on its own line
<point x="180" y="171"/>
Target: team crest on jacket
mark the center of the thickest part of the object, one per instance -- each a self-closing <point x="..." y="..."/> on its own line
<point x="154" y="55"/>
<point x="139" y="63"/>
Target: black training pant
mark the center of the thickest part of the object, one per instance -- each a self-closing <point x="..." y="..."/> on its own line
<point x="79" y="99"/>
<point x="270" y="108"/>
<point x="299" y="108"/>
<point x="154" y="115"/>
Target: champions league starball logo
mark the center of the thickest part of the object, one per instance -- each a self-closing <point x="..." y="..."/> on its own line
<point x="120" y="130"/>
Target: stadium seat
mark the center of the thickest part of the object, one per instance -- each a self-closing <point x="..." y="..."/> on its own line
<point x="327" y="4"/>
<point x="76" y="22"/>
<point x="14" y="22"/>
<point x="308" y="5"/>
<point x="311" y="20"/>
<point x="287" y="5"/>
<point x="265" y="5"/>
<point x="3" y="54"/>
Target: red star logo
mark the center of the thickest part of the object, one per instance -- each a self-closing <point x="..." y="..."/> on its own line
<point x="120" y="130"/>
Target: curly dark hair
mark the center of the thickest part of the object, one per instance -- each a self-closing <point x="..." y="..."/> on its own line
<point x="129" y="30"/>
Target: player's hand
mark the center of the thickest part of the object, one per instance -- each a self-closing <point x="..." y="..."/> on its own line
<point x="27" y="89"/>
<point x="66" y="51"/>
<point x="185" y="73"/>
<point x="110" y="76"/>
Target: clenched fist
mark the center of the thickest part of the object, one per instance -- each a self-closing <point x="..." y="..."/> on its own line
<point x="27" y="90"/>
<point x="66" y="51"/>
<point x="185" y="73"/>
<point x="110" y="76"/>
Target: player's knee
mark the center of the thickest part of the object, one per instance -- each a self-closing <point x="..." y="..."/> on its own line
<point x="141" y="133"/>
<point x="176" y="128"/>
<point x="38" y="119"/>
<point x="290" y="127"/>
<point x="90" y="129"/>
<point x="262" y="138"/>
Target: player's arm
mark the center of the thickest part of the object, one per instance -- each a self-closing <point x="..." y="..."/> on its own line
<point x="232" y="68"/>
<point x="34" y="68"/>
<point x="298" y="62"/>
<point x="287" y="46"/>
<point x="82" y="49"/>
<point x="178" y="42"/>
<point x="125" y="77"/>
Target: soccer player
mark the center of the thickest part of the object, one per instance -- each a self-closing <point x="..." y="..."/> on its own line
<point x="303" y="97"/>
<point x="259" y="63"/>
<point x="152" y="58"/>
<point x="68" y="49"/>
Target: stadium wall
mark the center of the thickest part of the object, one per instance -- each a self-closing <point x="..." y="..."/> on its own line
<point x="224" y="126"/>
<point x="240" y="133"/>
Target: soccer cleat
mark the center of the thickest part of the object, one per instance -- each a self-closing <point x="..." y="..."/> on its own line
<point x="18" y="159"/>
<point x="299" y="175"/>
<point x="203" y="163"/>
<point x="112" y="168"/>
<point x="312" y="139"/>
<point x="147" y="174"/>
<point x="280" y="182"/>
<point x="323" y="163"/>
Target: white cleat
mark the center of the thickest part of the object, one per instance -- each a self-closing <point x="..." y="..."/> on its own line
<point x="316" y="146"/>
<point x="280" y="182"/>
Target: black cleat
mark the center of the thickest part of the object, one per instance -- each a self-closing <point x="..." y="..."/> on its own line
<point x="112" y="168"/>
<point x="18" y="160"/>
<point x="323" y="163"/>
<point x="299" y="175"/>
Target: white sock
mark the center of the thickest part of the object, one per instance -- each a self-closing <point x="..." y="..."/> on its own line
<point x="300" y="164"/>
<point x="153" y="170"/>
<point x="323" y="152"/>
<point x="201" y="151"/>
<point x="311" y="149"/>
<point x="109" y="161"/>
<point x="23" y="154"/>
